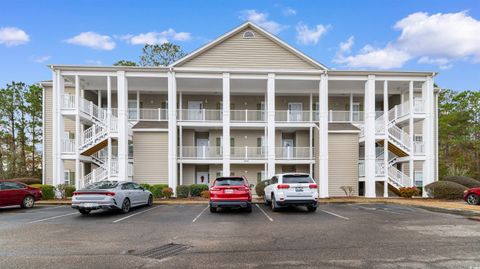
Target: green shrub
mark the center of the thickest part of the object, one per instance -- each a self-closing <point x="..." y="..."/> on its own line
<point x="409" y="192"/>
<point x="196" y="189"/>
<point x="28" y="180"/>
<point x="183" y="191"/>
<point x="48" y="191"/>
<point x="167" y="192"/>
<point x="146" y="186"/>
<point x="462" y="180"/>
<point x="69" y="190"/>
<point x="445" y="190"/>
<point x="156" y="190"/>
<point x="260" y="188"/>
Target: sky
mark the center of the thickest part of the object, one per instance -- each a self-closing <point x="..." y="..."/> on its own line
<point x="439" y="36"/>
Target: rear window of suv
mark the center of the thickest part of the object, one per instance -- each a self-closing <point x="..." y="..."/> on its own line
<point x="297" y="179"/>
<point x="229" y="181"/>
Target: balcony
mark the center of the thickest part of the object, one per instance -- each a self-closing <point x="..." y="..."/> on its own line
<point x="293" y="116"/>
<point x="200" y="115"/>
<point x="379" y="168"/>
<point x="248" y="153"/>
<point x="294" y="153"/>
<point x="68" y="146"/>
<point x="202" y="152"/>
<point x="419" y="148"/>
<point x="68" y="101"/>
<point x="245" y="116"/>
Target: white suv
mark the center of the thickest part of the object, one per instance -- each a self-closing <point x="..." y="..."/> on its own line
<point x="291" y="189"/>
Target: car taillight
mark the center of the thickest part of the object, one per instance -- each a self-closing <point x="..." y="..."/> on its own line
<point x="312" y="186"/>
<point x="110" y="193"/>
<point x="75" y="193"/>
<point x="283" y="186"/>
<point x="214" y="189"/>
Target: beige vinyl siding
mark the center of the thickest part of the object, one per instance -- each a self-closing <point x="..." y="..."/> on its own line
<point x="150" y="157"/>
<point x="188" y="174"/>
<point x="342" y="162"/>
<point x="258" y="52"/>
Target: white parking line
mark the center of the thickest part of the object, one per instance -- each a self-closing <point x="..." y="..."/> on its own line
<point x="132" y="215"/>
<point x="333" y="214"/>
<point x="264" y="213"/>
<point x="198" y="216"/>
<point x="55" y="217"/>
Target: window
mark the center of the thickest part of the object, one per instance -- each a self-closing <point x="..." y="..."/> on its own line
<point x="128" y="186"/>
<point x="69" y="177"/>
<point x="297" y="179"/>
<point x="248" y="34"/>
<point x="418" y="138"/>
<point x="11" y="186"/>
<point x="418" y="175"/>
<point x="260" y="176"/>
<point x="229" y="181"/>
<point x="102" y="185"/>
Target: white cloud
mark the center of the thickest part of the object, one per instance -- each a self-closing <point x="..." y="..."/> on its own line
<point x="346" y="46"/>
<point x="436" y="39"/>
<point x="262" y="20"/>
<point x="13" y="36"/>
<point x="289" y="11"/>
<point x="157" y="37"/>
<point x="42" y="59"/>
<point x="308" y="36"/>
<point x="92" y="40"/>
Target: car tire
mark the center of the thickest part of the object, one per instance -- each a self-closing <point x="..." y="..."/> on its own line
<point x="473" y="199"/>
<point x="213" y="209"/>
<point x="84" y="211"/>
<point x="311" y="208"/>
<point x="248" y="209"/>
<point x="150" y="200"/>
<point x="274" y="205"/>
<point x="28" y="202"/>
<point x="126" y="206"/>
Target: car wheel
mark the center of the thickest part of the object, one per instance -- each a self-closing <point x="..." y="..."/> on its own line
<point x="311" y="208"/>
<point x="84" y="211"/>
<point x="126" y="205"/>
<point x="274" y="205"/>
<point x="248" y="209"/>
<point x="473" y="199"/>
<point x="213" y="209"/>
<point x="150" y="200"/>
<point x="28" y="202"/>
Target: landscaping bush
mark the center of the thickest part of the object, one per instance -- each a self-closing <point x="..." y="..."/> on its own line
<point x="48" y="191"/>
<point x="69" y="191"/>
<point x="462" y="180"/>
<point x="167" y="192"/>
<point x="260" y="188"/>
<point x="157" y="189"/>
<point x="197" y="189"/>
<point x="205" y="194"/>
<point x="409" y="192"/>
<point x="146" y="186"/>
<point x="183" y="191"/>
<point x="28" y="180"/>
<point x="445" y="190"/>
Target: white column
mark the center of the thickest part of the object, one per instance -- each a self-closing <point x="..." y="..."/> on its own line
<point x="410" y="128"/>
<point x="428" y="134"/>
<point x="138" y="105"/>
<point x="271" y="125"/>
<point x="122" y="97"/>
<point x="77" y="133"/>
<point x="172" y="131"/>
<point x="351" y="106"/>
<point x="226" y="124"/>
<point x="370" y="137"/>
<point x="385" y="144"/>
<point x="109" y="116"/>
<point x="58" y="127"/>
<point x="323" y="136"/>
<point x="99" y="98"/>
<point x="180" y="138"/>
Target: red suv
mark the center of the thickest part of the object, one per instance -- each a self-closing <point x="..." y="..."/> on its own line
<point x="230" y="192"/>
<point x="16" y="193"/>
<point x="472" y="196"/>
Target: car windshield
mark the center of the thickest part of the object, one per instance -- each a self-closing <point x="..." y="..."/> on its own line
<point x="230" y="181"/>
<point x="102" y="185"/>
<point x="297" y="179"/>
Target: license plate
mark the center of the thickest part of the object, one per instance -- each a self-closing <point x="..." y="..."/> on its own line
<point x="90" y="205"/>
<point x="299" y="189"/>
<point x="228" y="191"/>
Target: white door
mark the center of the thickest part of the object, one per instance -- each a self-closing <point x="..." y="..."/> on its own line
<point x="288" y="148"/>
<point x="132" y="109"/>
<point x="295" y="111"/>
<point x="202" y="147"/>
<point x="355" y="111"/>
<point x="202" y="178"/>
<point x="195" y="110"/>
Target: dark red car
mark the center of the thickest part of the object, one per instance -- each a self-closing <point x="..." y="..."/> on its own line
<point x="230" y="192"/>
<point x="472" y="196"/>
<point x="16" y="193"/>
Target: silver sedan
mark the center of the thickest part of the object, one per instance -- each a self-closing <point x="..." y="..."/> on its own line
<point x="111" y="195"/>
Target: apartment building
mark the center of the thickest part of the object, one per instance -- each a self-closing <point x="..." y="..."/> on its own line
<point x="246" y="104"/>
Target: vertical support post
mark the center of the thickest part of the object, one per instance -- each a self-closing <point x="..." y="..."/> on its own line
<point x="99" y="99"/>
<point x="323" y="136"/>
<point x="172" y="131"/>
<point x="311" y="108"/>
<point x="410" y="129"/>
<point x="122" y="101"/>
<point x="370" y="137"/>
<point x="385" y="144"/>
<point x="428" y="134"/>
<point x="351" y="107"/>
<point x="58" y="91"/>
<point x="138" y="105"/>
<point x="109" y="123"/>
<point x="226" y="123"/>
<point x="180" y="104"/>
<point x="77" y="133"/>
<point x="310" y="145"/>
<point x="271" y="125"/>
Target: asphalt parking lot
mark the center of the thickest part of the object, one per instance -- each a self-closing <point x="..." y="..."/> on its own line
<point x="186" y="236"/>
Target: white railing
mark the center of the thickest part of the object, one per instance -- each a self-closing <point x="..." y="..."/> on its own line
<point x="95" y="175"/>
<point x="401" y="136"/>
<point x="248" y="153"/>
<point x="247" y="115"/>
<point x="200" y="115"/>
<point x="68" y="101"/>
<point x="91" y="135"/>
<point x="294" y="153"/>
<point x="201" y="152"/>
<point x="379" y="168"/>
<point x="419" y="148"/>
<point x="292" y="116"/>
<point x="418" y="105"/>
<point x="68" y="145"/>
<point x="398" y="177"/>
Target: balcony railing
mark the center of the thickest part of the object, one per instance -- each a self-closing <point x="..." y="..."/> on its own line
<point x="294" y="153"/>
<point x="68" y="101"/>
<point x="419" y="148"/>
<point x="200" y="152"/>
<point x="68" y="145"/>
<point x="200" y="115"/>
<point x="248" y="153"/>
<point x="247" y="115"/>
<point x="379" y="168"/>
<point x="293" y="116"/>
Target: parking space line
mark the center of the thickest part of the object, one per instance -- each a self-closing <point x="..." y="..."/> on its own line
<point x="264" y="213"/>
<point x="132" y="215"/>
<point x="198" y="216"/>
<point x="55" y="217"/>
<point x="333" y="214"/>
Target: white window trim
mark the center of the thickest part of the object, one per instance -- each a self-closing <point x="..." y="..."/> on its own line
<point x="415" y="137"/>
<point x="249" y="32"/>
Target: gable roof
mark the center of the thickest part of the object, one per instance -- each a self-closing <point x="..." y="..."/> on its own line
<point x="237" y="30"/>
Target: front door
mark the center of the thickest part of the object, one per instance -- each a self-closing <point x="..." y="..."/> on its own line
<point x="355" y="111"/>
<point x="202" y="178"/>
<point x="202" y="147"/>
<point x="295" y="111"/>
<point x="195" y="110"/>
<point x="288" y="148"/>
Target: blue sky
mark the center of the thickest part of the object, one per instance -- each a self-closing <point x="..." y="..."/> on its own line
<point x="441" y="36"/>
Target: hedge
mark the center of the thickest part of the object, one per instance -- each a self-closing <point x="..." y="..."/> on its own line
<point x="183" y="191"/>
<point x="146" y="186"/>
<point x="465" y="181"/>
<point x="260" y="188"/>
<point x="157" y="189"/>
<point x="197" y="189"/>
<point x="69" y="190"/>
<point x="445" y="190"/>
<point x="48" y="191"/>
